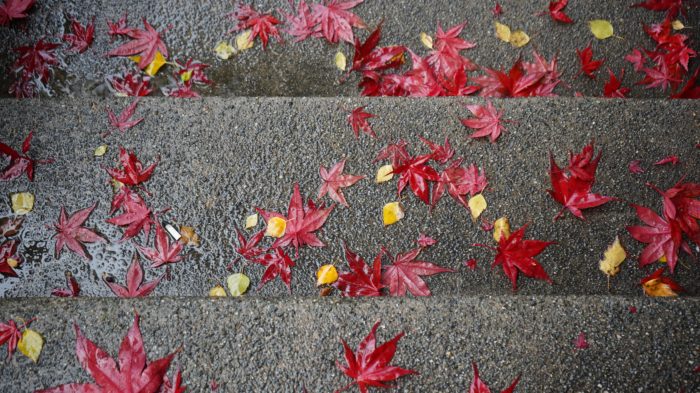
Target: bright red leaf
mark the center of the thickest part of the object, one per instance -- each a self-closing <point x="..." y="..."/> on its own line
<point x="369" y="59"/>
<point x="361" y="280"/>
<point x="613" y="87"/>
<point x="588" y="65"/>
<point x="71" y="233"/>
<point x="681" y="202"/>
<point x="691" y="90"/>
<point x="278" y="263"/>
<point x="417" y="174"/>
<point x="301" y="25"/>
<point x="459" y="182"/>
<point x="556" y="11"/>
<point x="405" y="274"/>
<point x="334" y="21"/>
<point x="445" y="58"/>
<point x="637" y="59"/>
<point x="440" y="153"/>
<point x="132" y="84"/>
<point x="395" y="152"/>
<point x="497" y="10"/>
<point x="135" y="286"/>
<point x="132" y="172"/>
<point x="260" y="25"/>
<point x="124" y="121"/>
<point x="9" y="251"/>
<point x="82" y="36"/>
<point x="334" y="180"/>
<point x="36" y="60"/>
<point x="136" y="215"/>
<point x="478" y="386"/>
<point x="659" y="76"/>
<point x="635" y="167"/>
<point x="662" y="235"/>
<point x="425" y="241"/>
<point x="358" y="119"/>
<point x="19" y="162"/>
<point x="144" y="43"/>
<point x="248" y="248"/>
<point x="671" y="7"/>
<point x="11" y="333"/>
<point x="672" y="159"/>
<point x="369" y="367"/>
<point x="487" y="122"/>
<point x="14" y="9"/>
<point x="470" y="263"/>
<point x="580" y="342"/>
<point x="514" y="254"/>
<point x="133" y="373"/>
<point x="163" y="251"/>
<point x="72" y="287"/>
<point x="302" y="222"/>
<point x="523" y="80"/>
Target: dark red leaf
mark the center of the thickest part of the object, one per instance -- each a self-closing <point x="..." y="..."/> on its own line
<point x="194" y="70"/>
<point x="588" y="65"/>
<point x="672" y="159"/>
<point x="248" y="248"/>
<point x="417" y="174"/>
<point x="459" y="182"/>
<point x="132" y="172"/>
<point x="82" y="36"/>
<point x="635" y="167"/>
<point x="10" y="257"/>
<point x="682" y="204"/>
<point x="440" y="153"/>
<point x="262" y="25"/>
<point x="445" y="58"/>
<point x="144" y="43"/>
<point x="691" y="90"/>
<point x="136" y="215"/>
<point x="10" y="226"/>
<point x="613" y="88"/>
<point x="174" y="386"/>
<point x="425" y="241"/>
<point x="71" y="233"/>
<point x="580" y="341"/>
<point x="556" y="11"/>
<point x="131" y="84"/>
<point x="278" y="263"/>
<point x="405" y="274"/>
<point x="369" y="59"/>
<point x="662" y="235"/>
<point x="497" y="10"/>
<point x="334" y="21"/>
<point x="163" y="251"/>
<point x="72" y="287"/>
<point x="124" y="121"/>
<point x="361" y="280"/>
<point x="180" y="90"/>
<point x="478" y="386"/>
<point x="135" y="287"/>
<point x="470" y="263"/>
<point x="333" y="182"/>
<point x="659" y="76"/>
<point x="119" y="27"/>
<point x="358" y="119"/>
<point x="395" y="152"/>
<point x="671" y="7"/>
<point x="14" y="9"/>
<point x="20" y="162"/>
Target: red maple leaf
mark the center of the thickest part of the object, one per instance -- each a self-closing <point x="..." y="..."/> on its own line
<point x="278" y="263"/>
<point x="658" y="277"/>
<point x="14" y="9"/>
<point x="163" y="251"/>
<point x="671" y="7"/>
<point x="180" y="90"/>
<point x="358" y="119"/>
<point x="425" y="241"/>
<point x="20" y="163"/>
<point x="124" y="121"/>
<point x="136" y="215"/>
<point x="132" y="172"/>
<point x="459" y="181"/>
<point x="133" y="373"/>
<point x="248" y="248"/>
<point x="637" y="59"/>
<point x="445" y="58"/>
<point x="417" y="174"/>
<point x="572" y="187"/>
<point x="119" y="27"/>
<point x="691" y="90"/>
<point x="519" y="82"/>
<point x="404" y="274"/>
<point x="470" y="263"/>
<point x="681" y="203"/>
<point x="369" y="59"/>
<point x="301" y="25"/>
<point x="361" y="280"/>
<point x="131" y="84"/>
<point x="487" y="122"/>
<point x="82" y="36"/>
<point x="478" y="386"/>
<point x="11" y="333"/>
<point x="72" y="287"/>
<point x="588" y="65"/>
<point x="556" y="11"/>
<point x="580" y="342"/>
<point x="659" y="76"/>
<point x="194" y="70"/>
<point x="663" y="237"/>
<point x="370" y="365"/>
<point x="262" y="25"/>
<point x="144" y="43"/>
<point x="395" y="152"/>
<point x="672" y="159"/>
<point x="302" y="221"/>
<point x="613" y="88"/>
<point x="135" y="287"/>
<point x="10" y="226"/>
<point x="635" y="167"/>
<point x="174" y="386"/>
<point x="9" y="250"/>
<point x="334" y="180"/>
<point x="515" y="254"/>
<point x="36" y="60"/>
<point x="440" y="153"/>
<point x="334" y="22"/>
<point x="71" y="233"/>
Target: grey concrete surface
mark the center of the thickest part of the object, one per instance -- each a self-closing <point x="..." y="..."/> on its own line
<point x="221" y="157"/>
<point x="280" y="345"/>
<point x="307" y="69"/>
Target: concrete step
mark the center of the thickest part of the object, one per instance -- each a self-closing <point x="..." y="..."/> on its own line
<point x="283" y="344"/>
<point x="221" y="157"/>
<point x="307" y="68"/>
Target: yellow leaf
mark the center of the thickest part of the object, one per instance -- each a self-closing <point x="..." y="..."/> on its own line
<point x="326" y="274"/>
<point x="426" y="40"/>
<point x="22" y="202"/>
<point x="154" y="66"/>
<point x="185" y="76"/>
<point x="501" y="228"/>
<point x="663" y="259"/>
<point x="477" y="205"/>
<point x="237" y="284"/>
<point x="101" y="150"/>
<point x="13" y="263"/>
<point x="116" y="185"/>
<point x="392" y="213"/>
<point x="503" y="32"/>
<point x="189" y="236"/>
<point x="677" y="25"/>
<point x="613" y="258"/>
<point x="601" y="29"/>
<point x="657" y="288"/>
<point x="251" y="221"/>
<point x="224" y="50"/>
<point x="340" y="61"/>
<point x="385" y="174"/>
<point x="276" y="227"/>
<point x="217" y="291"/>
<point x="519" y="38"/>
<point x="244" y="40"/>
<point x="31" y="344"/>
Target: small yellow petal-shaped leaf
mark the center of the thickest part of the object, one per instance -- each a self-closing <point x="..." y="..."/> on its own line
<point x="224" y="50"/>
<point x="13" y="263"/>
<point x="613" y="258"/>
<point x="519" y="38"/>
<point x="116" y="185"/>
<point x="340" y="61"/>
<point x="237" y="284"/>
<point x="276" y="227"/>
<point x="251" y="221"/>
<point x="656" y="288"/>
<point x="392" y="213"/>
<point x="244" y="40"/>
<point x="384" y="174"/>
<point x="326" y="274"/>
<point x="663" y="259"/>
<point x="501" y="228"/>
<point x="154" y="66"/>
<point x="185" y="76"/>
<point x="426" y="40"/>
<point x="189" y="236"/>
<point x="31" y="344"/>
<point x="477" y="205"/>
<point x="677" y="25"/>
<point x="503" y="32"/>
<point x="217" y="291"/>
<point x="101" y="150"/>
<point x="22" y="202"/>
<point x="601" y="28"/>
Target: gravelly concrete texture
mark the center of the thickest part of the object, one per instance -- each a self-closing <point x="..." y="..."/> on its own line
<point x="280" y="345"/>
<point x="221" y="157"/>
<point x="285" y="69"/>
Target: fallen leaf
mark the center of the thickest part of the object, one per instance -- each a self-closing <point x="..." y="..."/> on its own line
<point x="10" y="257"/>
<point x="154" y="66"/>
<point x="244" y="41"/>
<point x="334" y="21"/>
<point x="72" y="287"/>
<point x="519" y="38"/>
<point x="370" y="365"/>
<point x="477" y="205"/>
<point x="487" y="121"/>
<point x="334" y="180"/>
<point x="189" y="236"/>
<point x="502" y="32"/>
<point x="613" y="87"/>
<point x="248" y="248"/>
<point x="681" y="202"/>
<point x="658" y="285"/>
<point x="259" y="24"/>
<point x="71" y="233"/>
<point x="163" y="251"/>
<point x="405" y="274"/>
<point x="601" y="29"/>
<point x="276" y="227"/>
<point x="556" y="11"/>
<point x="14" y="9"/>
<point x="10" y="226"/>
<point x="124" y="121"/>
<point x="635" y="167"/>
<point x="459" y="182"/>
<point x="588" y="65"/>
<point x="478" y="386"/>
<point x="663" y="237"/>
<point x="326" y="274"/>
<point x="22" y="202"/>
<point x="278" y="263"/>
<point x="425" y="241"/>
<point x="426" y="40"/>
<point x="470" y="263"/>
<point x="580" y="341"/>
<point x="19" y="162"/>
<point x="440" y="153"/>
<point x="359" y="120"/>
<point x="31" y="344"/>
<point x="340" y="61"/>
<point x="136" y="215"/>
<point x="217" y="291"/>
<point x="100" y="150"/>
<point x="361" y="280"/>
<point x="10" y="333"/>
<point x="501" y="228"/>
<point x="497" y="10"/>
<point x="251" y="221"/>
<point x="612" y="258"/>
<point x="237" y="284"/>
<point x="135" y="285"/>
<point x="224" y="50"/>
<point x="417" y="174"/>
<point x="677" y="25"/>
<point x="673" y="160"/>
<point x="81" y="38"/>
<point x="392" y="213"/>
<point x="144" y="43"/>
<point x="301" y="24"/>
<point x="384" y="174"/>
<point x="132" y="172"/>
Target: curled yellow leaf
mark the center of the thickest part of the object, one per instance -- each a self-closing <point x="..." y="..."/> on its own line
<point x="340" y="61"/>
<point x="677" y="25"/>
<point x="276" y="227"/>
<point x="326" y="274"/>
<point x="224" y="50"/>
<point x="22" y="202"/>
<point x="100" y="150"/>
<point x="613" y="258"/>
<point x="392" y="213"/>
<point x="384" y="174"/>
<point x="601" y="28"/>
<point x="502" y="32"/>
<point x="237" y="284"/>
<point x="251" y="221"/>
<point x="519" y="38"/>
<point x="153" y="66"/>
<point x="217" y="291"/>
<point x="501" y="228"/>
<point x="477" y="205"/>
<point x="426" y="40"/>
<point x="31" y="344"/>
<point x="657" y="288"/>
<point x="244" y="40"/>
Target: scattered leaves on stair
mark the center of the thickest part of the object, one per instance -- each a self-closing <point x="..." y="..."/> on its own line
<point x="71" y="233"/>
<point x="135" y="285"/>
